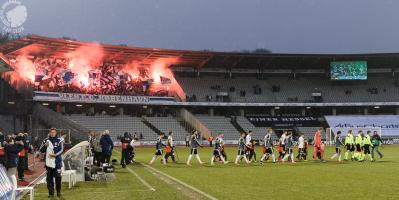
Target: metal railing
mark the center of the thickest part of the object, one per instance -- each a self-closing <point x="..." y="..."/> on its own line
<point x="194" y="122"/>
<point x="58" y="121"/>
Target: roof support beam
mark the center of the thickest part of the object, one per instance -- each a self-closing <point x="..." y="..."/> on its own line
<point x="205" y="61"/>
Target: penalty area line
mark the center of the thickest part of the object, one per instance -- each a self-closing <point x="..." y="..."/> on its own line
<point x="181" y="183"/>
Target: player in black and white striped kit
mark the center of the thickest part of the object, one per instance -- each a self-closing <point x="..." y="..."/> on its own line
<point x="194" y="145"/>
<point x="241" y="149"/>
<point x="217" y="151"/>
<point x="289" y="146"/>
<point x="268" y="145"/>
<point x="159" y="150"/>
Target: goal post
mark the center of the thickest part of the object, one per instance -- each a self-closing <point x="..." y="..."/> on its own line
<point x="329" y="136"/>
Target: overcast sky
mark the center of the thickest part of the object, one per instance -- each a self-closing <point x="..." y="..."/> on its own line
<point x="283" y="26"/>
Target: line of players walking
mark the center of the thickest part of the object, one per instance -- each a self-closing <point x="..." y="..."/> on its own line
<point x="358" y="147"/>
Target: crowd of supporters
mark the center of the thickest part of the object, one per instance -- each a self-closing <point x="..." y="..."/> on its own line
<point x="55" y="75"/>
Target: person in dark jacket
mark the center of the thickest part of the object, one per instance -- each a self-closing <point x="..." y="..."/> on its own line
<point x="107" y="145"/>
<point x="28" y="148"/>
<point x="12" y="148"/>
<point x="376" y="141"/>
<point x="23" y="156"/>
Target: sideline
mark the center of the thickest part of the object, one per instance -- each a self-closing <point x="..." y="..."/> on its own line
<point x="149" y="168"/>
<point x="139" y="177"/>
<point x="141" y="180"/>
<point x="181" y="182"/>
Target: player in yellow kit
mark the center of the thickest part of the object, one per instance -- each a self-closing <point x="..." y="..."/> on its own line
<point x="359" y="146"/>
<point x="349" y="144"/>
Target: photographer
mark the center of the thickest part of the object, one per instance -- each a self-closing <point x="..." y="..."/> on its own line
<point x="53" y="147"/>
<point x="12" y="148"/>
<point x="125" y="140"/>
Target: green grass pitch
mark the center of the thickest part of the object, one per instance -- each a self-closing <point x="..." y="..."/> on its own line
<point x="303" y="180"/>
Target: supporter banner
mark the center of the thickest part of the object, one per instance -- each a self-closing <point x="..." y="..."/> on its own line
<point x="5" y="184"/>
<point x="91" y="98"/>
<point x="116" y="99"/>
<point x="278" y="121"/>
<point x="248" y="104"/>
<point x="387" y="124"/>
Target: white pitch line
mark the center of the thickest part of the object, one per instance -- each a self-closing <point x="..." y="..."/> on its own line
<point x="141" y="180"/>
<point x="182" y="183"/>
<point x="138" y="177"/>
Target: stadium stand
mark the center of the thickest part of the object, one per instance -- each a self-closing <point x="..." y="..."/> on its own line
<point x="166" y="124"/>
<point x="218" y="124"/>
<point x="7" y="123"/>
<point x="375" y="89"/>
<point x="117" y="125"/>
<point x="258" y="132"/>
<point x="309" y="132"/>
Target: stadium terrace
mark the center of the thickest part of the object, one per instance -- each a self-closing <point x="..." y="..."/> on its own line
<point x="67" y="66"/>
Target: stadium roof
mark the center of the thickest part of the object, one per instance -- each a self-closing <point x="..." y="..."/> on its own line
<point x="52" y="47"/>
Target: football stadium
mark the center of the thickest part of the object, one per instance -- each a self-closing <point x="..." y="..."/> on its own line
<point x="84" y="119"/>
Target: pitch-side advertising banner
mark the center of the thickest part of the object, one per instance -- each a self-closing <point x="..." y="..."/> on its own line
<point x="387" y="125"/>
<point x="281" y="121"/>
